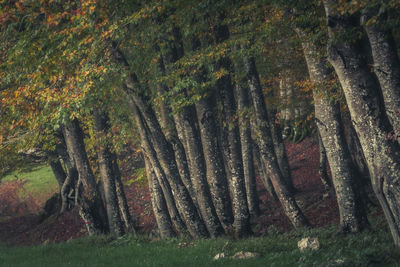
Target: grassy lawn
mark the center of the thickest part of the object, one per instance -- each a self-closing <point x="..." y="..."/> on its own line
<point x="39" y="180"/>
<point x="371" y="248"/>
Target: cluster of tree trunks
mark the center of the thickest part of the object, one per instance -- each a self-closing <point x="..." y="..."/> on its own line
<point x="373" y="101"/>
<point x="102" y="212"/>
<point x="200" y="158"/>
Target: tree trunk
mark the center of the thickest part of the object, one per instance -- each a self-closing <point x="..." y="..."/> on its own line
<point x="164" y="154"/>
<point x="67" y="189"/>
<point x="58" y="171"/>
<point x="91" y="206"/>
<point x="323" y="173"/>
<point x="216" y="175"/>
<point x="127" y="218"/>
<point x="155" y="165"/>
<point x="234" y="159"/>
<point x="280" y="151"/>
<point x="243" y="105"/>
<point x="189" y="142"/>
<point x="368" y="116"/>
<point x="386" y="66"/>
<point x="267" y="151"/>
<point x="189" y="135"/>
<point x="107" y="160"/>
<point x="169" y="128"/>
<point x="353" y="217"/>
<point x="263" y="173"/>
<point x="160" y="208"/>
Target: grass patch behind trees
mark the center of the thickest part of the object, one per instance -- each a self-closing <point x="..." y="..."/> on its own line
<point x="39" y="180"/>
<point x="373" y="247"/>
<point x="23" y="192"/>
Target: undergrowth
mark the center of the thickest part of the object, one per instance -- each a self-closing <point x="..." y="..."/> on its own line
<point x="373" y="247"/>
<point x="26" y="192"/>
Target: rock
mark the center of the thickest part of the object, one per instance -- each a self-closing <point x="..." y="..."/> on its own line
<point x="309" y="243"/>
<point x="245" y="255"/>
<point x="219" y="256"/>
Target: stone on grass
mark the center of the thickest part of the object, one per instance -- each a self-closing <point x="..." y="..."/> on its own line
<point x="219" y="256"/>
<point x="309" y="243"/>
<point x="245" y="255"/>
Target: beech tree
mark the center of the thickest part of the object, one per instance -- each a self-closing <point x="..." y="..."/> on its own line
<point x="368" y="115"/>
<point x="198" y="82"/>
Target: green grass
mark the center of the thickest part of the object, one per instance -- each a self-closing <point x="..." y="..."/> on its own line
<point x="371" y="248"/>
<point x="38" y="180"/>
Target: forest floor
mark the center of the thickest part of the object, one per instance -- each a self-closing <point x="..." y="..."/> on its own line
<point x="22" y="225"/>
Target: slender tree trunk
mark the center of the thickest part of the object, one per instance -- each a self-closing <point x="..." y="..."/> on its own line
<point x="280" y="151"/>
<point x="189" y="135"/>
<point x="262" y="171"/>
<point x="127" y="218"/>
<point x="155" y="165"/>
<point x="243" y="105"/>
<point x="165" y="155"/>
<point x="169" y="128"/>
<point x="353" y="217"/>
<point x="368" y="116"/>
<point x="323" y="173"/>
<point x="160" y="208"/>
<point x="216" y="175"/>
<point x="67" y="189"/>
<point x="164" y="152"/>
<point x="188" y="151"/>
<point x="235" y="161"/>
<point x="106" y="161"/>
<point x="58" y="171"/>
<point x="267" y="151"/>
<point x="91" y="206"/>
<point x="386" y="65"/>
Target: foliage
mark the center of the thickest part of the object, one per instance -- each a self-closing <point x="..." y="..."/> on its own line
<point x="372" y="247"/>
<point x="139" y="177"/>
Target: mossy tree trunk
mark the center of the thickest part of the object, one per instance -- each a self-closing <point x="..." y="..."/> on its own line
<point x="353" y="217"/>
<point x="368" y="115"/>
<point x="266" y="146"/>
<point x="107" y="160"/>
<point x="91" y="207"/>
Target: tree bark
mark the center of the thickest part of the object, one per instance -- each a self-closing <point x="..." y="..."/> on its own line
<point x="67" y="189"/>
<point x="243" y="105"/>
<point x="164" y="153"/>
<point x="160" y="208"/>
<point x="386" y="65"/>
<point x="107" y="160"/>
<point x="280" y="151"/>
<point x="353" y="217"/>
<point x="267" y="151"/>
<point x="234" y="156"/>
<point x="323" y="173"/>
<point x="58" y="171"/>
<point x="368" y="116"/>
<point x="150" y="154"/>
<point x="91" y="206"/>
<point x="263" y="173"/>
<point x="188" y="133"/>
<point x="216" y="175"/>
<point x="192" y="166"/>
<point x="127" y="218"/>
<point x="169" y="128"/>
